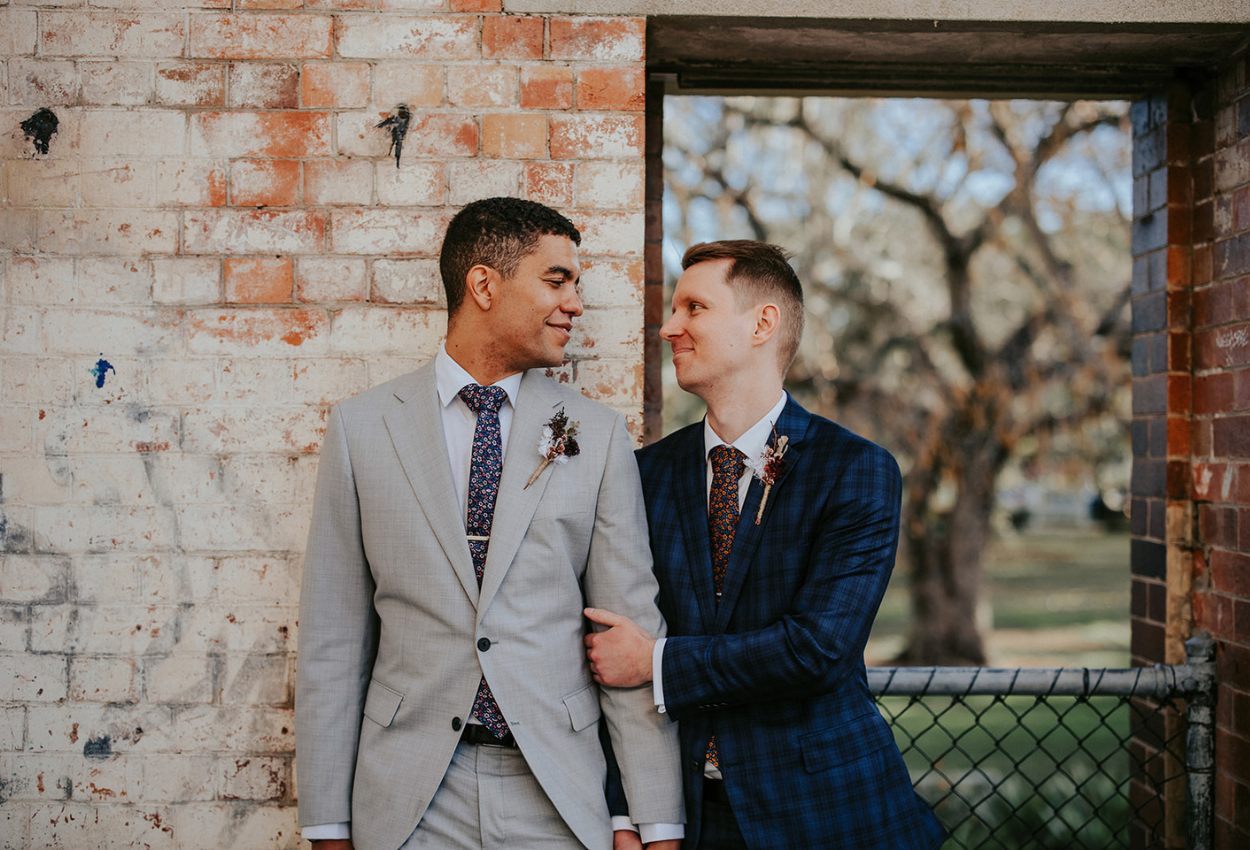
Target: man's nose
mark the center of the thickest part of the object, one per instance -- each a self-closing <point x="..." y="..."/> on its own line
<point x="671" y="329"/>
<point x="572" y="303"/>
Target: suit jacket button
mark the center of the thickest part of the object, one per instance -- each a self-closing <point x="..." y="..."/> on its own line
<point x="455" y="724"/>
<point x="483" y="644"/>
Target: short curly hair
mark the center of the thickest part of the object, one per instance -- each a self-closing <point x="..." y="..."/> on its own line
<point x="495" y="232"/>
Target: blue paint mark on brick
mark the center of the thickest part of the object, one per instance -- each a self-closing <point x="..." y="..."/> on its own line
<point x="98" y="749"/>
<point x="102" y="368"/>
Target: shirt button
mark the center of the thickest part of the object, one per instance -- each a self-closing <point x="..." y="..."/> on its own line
<point x="483" y="644"/>
<point x="455" y="724"/>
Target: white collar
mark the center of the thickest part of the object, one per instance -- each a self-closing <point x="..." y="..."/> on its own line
<point x="754" y="440"/>
<point x="450" y="378"/>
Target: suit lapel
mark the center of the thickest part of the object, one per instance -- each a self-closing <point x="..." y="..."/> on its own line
<point x="690" y="488"/>
<point x="537" y="402"/>
<point x="416" y="430"/>
<point x="791" y="423"/>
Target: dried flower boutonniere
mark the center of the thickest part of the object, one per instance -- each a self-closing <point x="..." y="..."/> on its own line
<point x="768" y="467"/>
<point x="557" y="444"/>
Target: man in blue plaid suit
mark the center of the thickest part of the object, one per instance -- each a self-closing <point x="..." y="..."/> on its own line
<point x="774" y="533"/>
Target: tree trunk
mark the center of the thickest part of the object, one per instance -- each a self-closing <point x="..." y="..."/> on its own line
<point x="946" y="551"/>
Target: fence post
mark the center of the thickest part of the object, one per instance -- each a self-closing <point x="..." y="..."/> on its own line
<point x="1199" y="686"/>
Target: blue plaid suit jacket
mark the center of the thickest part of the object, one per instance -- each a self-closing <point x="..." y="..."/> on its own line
<point x="776" y="670"/>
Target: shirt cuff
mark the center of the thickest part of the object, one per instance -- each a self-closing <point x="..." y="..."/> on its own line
<point x="649" y="832"/>
<point x="622" y="822"/>
<point x="657" y="676"/>
<point x="327" y="831"/>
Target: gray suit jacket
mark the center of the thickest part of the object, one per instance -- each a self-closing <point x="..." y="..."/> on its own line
<point x="391" y="618"/>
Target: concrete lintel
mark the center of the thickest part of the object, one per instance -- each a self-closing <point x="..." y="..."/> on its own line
<point x="1046" y="11"/>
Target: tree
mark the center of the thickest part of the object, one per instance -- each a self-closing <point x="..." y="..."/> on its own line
<point x="966" y="267"/>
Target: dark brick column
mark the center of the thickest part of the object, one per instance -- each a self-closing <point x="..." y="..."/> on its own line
<point x="653" y="292"/>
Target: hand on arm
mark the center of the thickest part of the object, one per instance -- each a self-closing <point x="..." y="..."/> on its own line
<point x="626" y="839"/>
<point x="621" y="656"/>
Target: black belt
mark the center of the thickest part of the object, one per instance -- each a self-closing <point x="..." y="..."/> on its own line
<point x="714" y="791"/>
<point x="475" y="734"/>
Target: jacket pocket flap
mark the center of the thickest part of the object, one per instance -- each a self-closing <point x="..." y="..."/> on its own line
<point x="382" y="703"/>
<point x="841" y="744"/>
<point x="583" y="707"/>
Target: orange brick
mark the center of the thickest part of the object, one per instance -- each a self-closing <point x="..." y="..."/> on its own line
<point x="547" y="87"/>
<point x="595" y="136"/>
<point x="599" y="39"/>
<point x="259" y="281"/>
<point x="276" y="134"/>
<point x="264" y="183"/>
<point x="263" y="85"/>
<point x="549" y="183"/>
<point x="521" y="136"/>
<point x="482" y="86"/>
<point x="261" y="36"/>
<point x="612" y="88"/>
<point x="335" y="84"/>
<point x="270" y="4"/>
<point x="512" y="37"/>
<point x="477" y="5"/>
<point x="442" y="135"/>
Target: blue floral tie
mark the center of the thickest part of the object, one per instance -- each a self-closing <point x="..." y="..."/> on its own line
<point x="484" y="470"/>
<point x="722" y="520"/>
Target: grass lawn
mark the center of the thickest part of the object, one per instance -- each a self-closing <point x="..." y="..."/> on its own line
<point x="1052" y="598"/>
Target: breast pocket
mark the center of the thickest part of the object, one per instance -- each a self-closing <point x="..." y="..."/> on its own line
<point x="839" y="745"/>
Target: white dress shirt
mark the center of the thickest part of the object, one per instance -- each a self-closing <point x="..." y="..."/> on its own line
<point x="459" y="423"/>
<point x="752" y="444"/>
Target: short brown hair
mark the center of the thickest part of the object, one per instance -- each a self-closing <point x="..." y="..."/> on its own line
<point x="495" y="232"/>
<point x="759" y="272"/>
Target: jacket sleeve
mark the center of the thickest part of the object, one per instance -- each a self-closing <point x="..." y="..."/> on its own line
<point x="619" y="578"/>
<point x="337" y="638"/>
<point x="819" y="641"/>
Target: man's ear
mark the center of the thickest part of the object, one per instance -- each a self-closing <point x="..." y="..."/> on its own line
<point x="767" y="321"/>
<point x="482" y="285"/>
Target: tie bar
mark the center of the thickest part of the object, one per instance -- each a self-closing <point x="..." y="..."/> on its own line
<point x="477" y="538"/>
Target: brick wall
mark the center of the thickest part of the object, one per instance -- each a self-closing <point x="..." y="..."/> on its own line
<point x="1221" y="427"/>
<point x="1191" y="405"/>
<point x="215" y="249"/>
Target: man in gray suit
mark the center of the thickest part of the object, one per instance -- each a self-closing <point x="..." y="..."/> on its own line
<point x="443" y="699"/>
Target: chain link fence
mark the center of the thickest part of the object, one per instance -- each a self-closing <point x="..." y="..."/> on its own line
<point x="1060" y="758"/>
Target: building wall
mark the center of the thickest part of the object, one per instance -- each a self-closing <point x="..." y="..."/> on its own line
<point x="1191" y="405"/>
<point x="215" y="249"/>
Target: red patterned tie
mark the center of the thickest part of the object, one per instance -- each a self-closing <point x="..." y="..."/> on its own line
<point x="722" y="519"/>
<point x="484" y="469"/>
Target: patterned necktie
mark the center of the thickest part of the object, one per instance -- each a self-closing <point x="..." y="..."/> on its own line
<point x="484" y="470"/>
<point x="722" y="519"/>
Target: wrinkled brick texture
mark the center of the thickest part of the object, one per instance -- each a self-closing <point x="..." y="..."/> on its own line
<point x="215" y="250"/>
<point x="1191" y="393"/>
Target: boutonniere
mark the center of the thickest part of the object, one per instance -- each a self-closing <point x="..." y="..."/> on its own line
<point x="557" y="444"/>
<point x="768" y="467"/>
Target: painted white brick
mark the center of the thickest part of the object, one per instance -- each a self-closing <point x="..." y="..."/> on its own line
<point x="611" y="234"/>
<point x="107" y="827"/>
<point x="114" y="281"/>
<point x="407" y="282"/>
<point x="19" y="330"/>
<point x="326" y="381"/>
<point x="115" y="83"/>
<point x="117" y="381"/>
<point x="178" y="778"/>
<point x="134" y="528"/>
<point x="14" y="818"/>
<point x="287" y="429"/>
<point x="15" y="428"/>
<point x="186" y="280"/>
<point x="476" y="179"/>
<point x="180" y="679"/>
<point x="234" y="528"/>
<point x="387" y="232"/>
<point x="39" y="579"/>
<point x="198" y="183"/>
<point x="609" y="185"/>
<point x="41" y="280"/>
<point x="328" y="279"/>
<point x="12" y="727"/>
<point x="33" y="678"/>
<point x="74" y="431"/>
<point x="18" y="32"/>
<point x="232" y="729"/>
<point x="134" y="133"/>
<point x="103" y="679"/>
<point x="106" y="578"/>
<point x="246" y="578"/>
<point x="409" y="332"/>
<point x="43" y="182"/>
<point x="105" y="629"/>
<point x="112" y="332"/>
<point x="614" y="333"/>
<point x="256" y="680"/>
<point x="186" y="380"/>
<point x="112" y="34"/>
<point x="113" y="232"/>
<point x="253" y="232"/>
<point x="414" y="184"/>
<point x="382" y="369"/>
<point x="117" y="479"/>
<point x="45" y="380"/>
<point x="200" y="825"/>
<point x="257" y="332"/>
<point x="169" y="576"/>
<point x="118" y="183"/>
<point x="17" y="229"/>
<point x="256" y="778"/>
